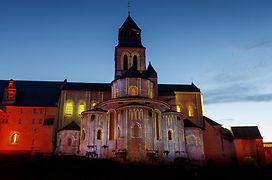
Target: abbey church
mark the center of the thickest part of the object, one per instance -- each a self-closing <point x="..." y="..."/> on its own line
<point x="132" y="119"/>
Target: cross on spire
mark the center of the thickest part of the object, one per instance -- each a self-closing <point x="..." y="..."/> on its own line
<point x="129" y="8"/>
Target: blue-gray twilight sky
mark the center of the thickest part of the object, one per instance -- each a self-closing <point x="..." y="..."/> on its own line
<point x="223" y="46"/>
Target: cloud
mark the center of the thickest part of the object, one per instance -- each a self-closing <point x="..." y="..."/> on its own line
<point x="259" y="44"/>
<point x="228" y="119"/>
<point x="213" y="98"/>
<point x="236" y="87"/>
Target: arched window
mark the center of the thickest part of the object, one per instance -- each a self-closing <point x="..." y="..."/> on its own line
<point x="92" y="117"/>
<point x="83" y="135"/>
<point x="125" y="62"/>
<point x="69" y="141"/>
<point x="157" y="123"/>
<point x="133" y="91"/>
<point x="170" y="134"/>
<point x="135" y="61"/>
<point x="118" y="132"/>
<point x="81" y="108"/>
<point x="136" y="131"/>
<point x="14" y="138"/>
<point x="99" y="134"/>
<point x="179" y="108"/>
<point x="111" y="126"/>
<point x="191" y="111"/>
<point x="69" y="108"/>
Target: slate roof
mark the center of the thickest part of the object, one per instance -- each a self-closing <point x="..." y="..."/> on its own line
<point x="46" y="93"/>
<point x="226" y="133"/>
<point x="150" y="72"/>
<point x="189" y="123"/>
<point x="169" y="110"/>
<point x="98" y="109"/>
<point x="169" y="89"/>
<point x="129" y="34"/>
<point x="246" y="132"/>
<point x="133" y="72"/>
<point x="34" y="93"/>
<point x="87" y="86"/>
<point x="129" y="24"/>
<point x="211" y="122"/>
<point x="71" y="126"/>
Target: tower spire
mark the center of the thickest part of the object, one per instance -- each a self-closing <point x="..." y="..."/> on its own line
<point x="129" y="8"/>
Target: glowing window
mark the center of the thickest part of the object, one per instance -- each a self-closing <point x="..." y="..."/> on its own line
<point x="170" y="135"/>
<point x="133" y="91"/>
<point x="93" y="103"/>
<point x="150" y="93"/>
<point x="69" y="108"/>
<point x="14" y="138"/>
<point x="125" y="62"/>
<point x="136" y="131"/>
<point x="81" y="108"/>
<point x="191" y="111"/>
<point x="99" y="134"/>
<point x="178" y="108"/>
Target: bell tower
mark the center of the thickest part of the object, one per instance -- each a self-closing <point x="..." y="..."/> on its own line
<point x="129" y="51"/>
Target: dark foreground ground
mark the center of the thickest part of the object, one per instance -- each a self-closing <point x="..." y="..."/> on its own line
<point x="81" y="168"/>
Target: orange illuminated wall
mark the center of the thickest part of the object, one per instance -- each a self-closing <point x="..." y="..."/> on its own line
<point x="26" y="130"/>
<point x="249" y="151"/>
<point x="268" y="152"/>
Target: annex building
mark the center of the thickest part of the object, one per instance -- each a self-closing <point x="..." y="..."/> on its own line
<point x="131" y="119"/>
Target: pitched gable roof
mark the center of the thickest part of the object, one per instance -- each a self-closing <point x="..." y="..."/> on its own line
<point x="170" y="89"/>
<point x="246" y="132"/>
<point x="150" y="71"/>
<point x="189" y="123"/>
<point x="211" y="122"/>
<point x="129" y="24"/>
<point x="226" y="133"/>
<point x="87" y="86"/>
<point x="71" y="126"/>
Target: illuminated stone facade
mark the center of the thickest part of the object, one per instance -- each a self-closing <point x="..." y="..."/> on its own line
<point x="133" y="119"/>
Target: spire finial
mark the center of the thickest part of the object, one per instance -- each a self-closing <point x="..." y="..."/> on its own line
<point x="129" y="8"/>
